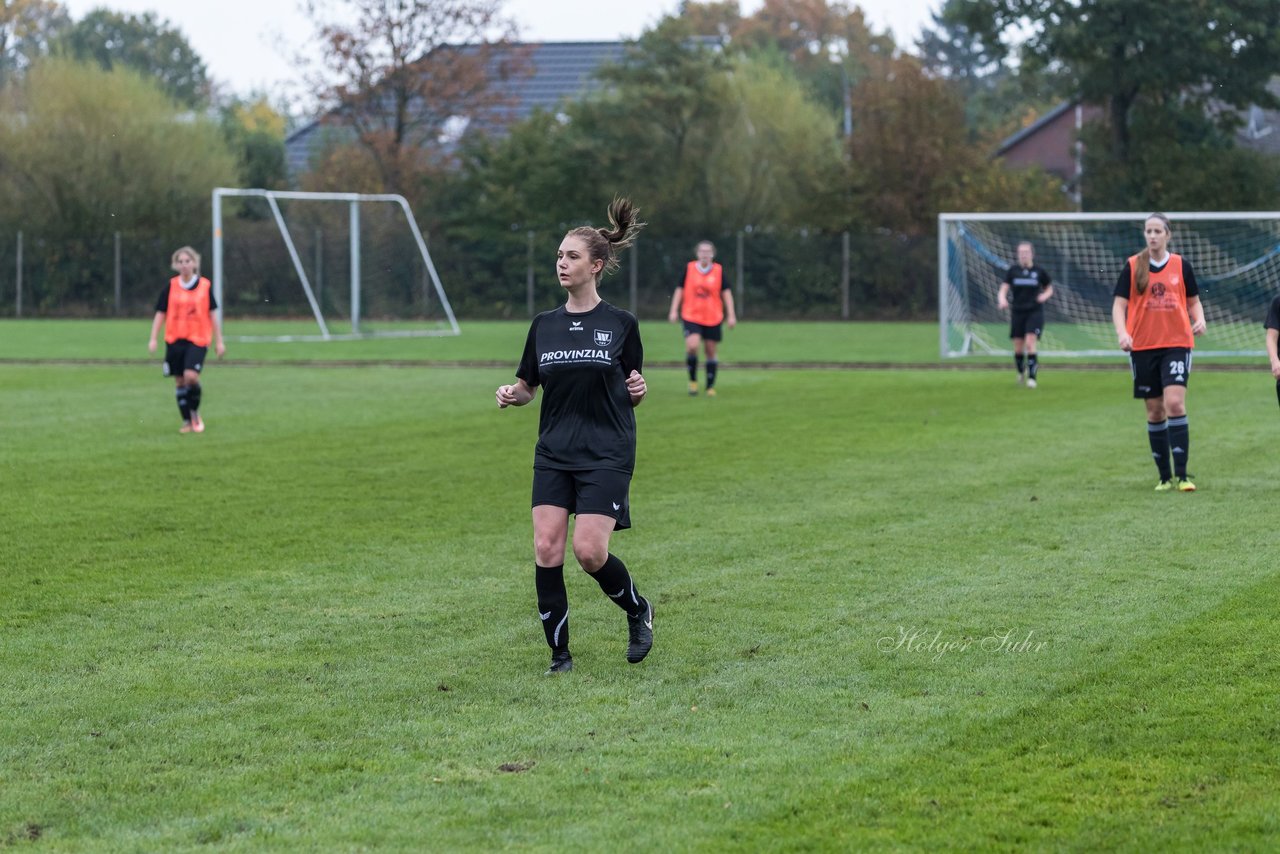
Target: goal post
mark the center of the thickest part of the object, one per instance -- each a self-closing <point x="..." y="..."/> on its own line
<point x="1236" y="257"/>
<point x="352" y="306"/>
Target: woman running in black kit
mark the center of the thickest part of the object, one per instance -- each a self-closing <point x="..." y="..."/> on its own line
<point x="587" y="357"/>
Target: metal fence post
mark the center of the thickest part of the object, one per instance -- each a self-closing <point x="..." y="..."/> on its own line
<point x="635" y="280"/>
<point x="844" y="276"/>
<point x="18" y="300"/>
<point x="742" y="282"/>
<point x="319" y="266"/>
<point x="116" y="271"/>
<point x="529" y="271"/>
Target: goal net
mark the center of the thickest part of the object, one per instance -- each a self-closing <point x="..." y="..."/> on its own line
<point x="1236" y="257"/>
<point x="296" y="266"/>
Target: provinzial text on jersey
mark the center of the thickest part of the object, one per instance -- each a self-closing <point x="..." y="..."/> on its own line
<point x="573" y="355"/>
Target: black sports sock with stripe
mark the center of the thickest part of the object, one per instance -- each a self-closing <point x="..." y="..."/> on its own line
<point x="1018" y="360"/>
<point x="1033" y="366"/>
<point x="692" y="362"/>
<point x="1158" y="436"/>
<point x="1179" y="444"/>
<point x="553" y="606"/>
<point x="183" y="406"/>
<point x="193" y="397"/>
<point x="616" y="583"/>
<point x="713" y="367"/>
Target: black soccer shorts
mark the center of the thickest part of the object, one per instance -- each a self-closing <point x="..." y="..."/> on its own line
<point x="182" y="356"/>
<point x="603" y="492"/>
<point x="1024" y="322"/>
<point x="1154" y="370"/>
<point x="708" y="333"/>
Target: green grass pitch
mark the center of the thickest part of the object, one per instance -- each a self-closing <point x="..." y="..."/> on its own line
<point x="909" y="610"/>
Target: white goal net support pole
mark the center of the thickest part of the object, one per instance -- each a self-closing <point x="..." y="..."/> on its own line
<point x="1235" y="255"/>
<point x="354" y="200"/>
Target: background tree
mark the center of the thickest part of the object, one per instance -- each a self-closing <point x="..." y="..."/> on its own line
<point x="102" y="152"/>
<point x="1185" y="66"/>
<point x="255" y="132"/>
<point x="397" y="75"/>
<point x="27" y="28"/>
<point x="149" y="45"/>
<point x="998" y="101"/>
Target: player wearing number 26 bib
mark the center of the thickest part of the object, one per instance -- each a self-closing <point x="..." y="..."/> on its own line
<point x="1157" y="314"/>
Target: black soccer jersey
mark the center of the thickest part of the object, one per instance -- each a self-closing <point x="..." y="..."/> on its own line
<point x="582" y="360"/>
<point x="1026" y="283"/>
<point x="1273" y="315"/>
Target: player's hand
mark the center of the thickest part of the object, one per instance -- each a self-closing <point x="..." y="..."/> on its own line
<point x="506" y="396"/>
<point x="732" y="322"/>
<point x="1002" y="304"/>
<point x="221" y="349"/>
<point x="151" y="346"/>
<point x="1198" y="327"/>
<point x="1275" y="370"/>
<point x="672" y="317"/>
<point x="636" y="387"/>
<point x="1126" y="343"/>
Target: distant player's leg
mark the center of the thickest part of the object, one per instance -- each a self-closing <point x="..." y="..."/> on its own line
<point x="550" y="533"/>
<point x="692" y="340"/>
<point x="194" y="391"/>
<point x="1158" y="436"/>
<point x="713" y="365"/>
<point x="1179" y="435"/>
<point x="1018" y="335"/>
<point x="1033" y="361"/>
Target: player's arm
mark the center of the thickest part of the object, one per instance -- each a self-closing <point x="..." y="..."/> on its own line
<point x="1046" y="293"/>
<point x="730" y="316"/>
<point x="1196" y="310"/>
<point x="1002" y="298"/>
<point x="1273" y="343"/>
<point x="155" y="330"/>
<point x="517" y="394"/>
<point x="1119" y="314"/>
<point x="218" y="346"/>
<point x="674" y="314"/>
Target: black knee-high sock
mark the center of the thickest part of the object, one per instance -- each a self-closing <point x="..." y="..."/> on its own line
<point x="692" y="361"/>
<point x="553" y="606"/>
<point x="712" y="367"/>
<point x="616" y="583"/>
<point x="193" y="397"/>
<point x="1017" y="360"/>
<point x="1179" y="444"/>
<point x="1158" y="435"/>
<point x="1033" y="365"/>
<point x="181" y="393"/>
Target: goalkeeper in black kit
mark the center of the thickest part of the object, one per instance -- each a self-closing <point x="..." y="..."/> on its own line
<point x="587" y="357"/>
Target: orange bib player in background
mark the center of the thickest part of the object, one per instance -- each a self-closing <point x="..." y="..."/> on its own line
<point x="188" y="311"/>
<point x="703" y="302"/>
<point x="1157" y="314"/>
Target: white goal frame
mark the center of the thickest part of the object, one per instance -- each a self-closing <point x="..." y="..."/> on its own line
<point x="952" y="312"/>
<point x="353" y="200"/>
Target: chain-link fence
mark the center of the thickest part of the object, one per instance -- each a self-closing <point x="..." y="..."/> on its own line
<point x="774" y="275"/>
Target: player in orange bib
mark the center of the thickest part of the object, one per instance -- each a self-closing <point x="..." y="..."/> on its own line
<point x="1157" y="314"/>
<point x="188" y="311"/>
<point x="703" y="302"/>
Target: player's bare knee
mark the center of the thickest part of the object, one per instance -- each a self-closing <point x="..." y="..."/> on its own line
<point x="590" y="555"/>
<point x="548" y="549"/>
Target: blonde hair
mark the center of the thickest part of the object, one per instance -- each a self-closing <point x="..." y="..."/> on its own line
<point x="1142" y="270"/>
<point x="185" y="250"/>
<point x="604" y="244"/>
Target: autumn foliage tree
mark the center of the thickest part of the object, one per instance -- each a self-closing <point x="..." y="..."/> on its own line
<point x="405" y="79"/>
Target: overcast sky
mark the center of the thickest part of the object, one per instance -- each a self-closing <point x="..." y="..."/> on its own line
<point x="246" y="43"/>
